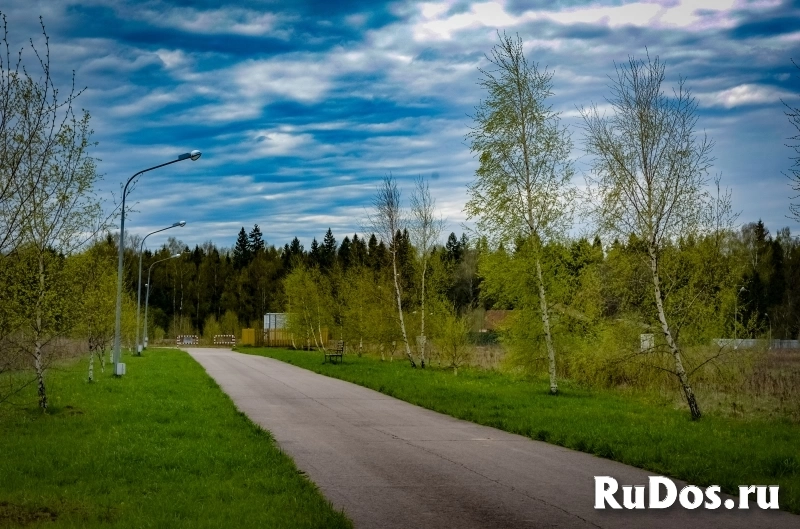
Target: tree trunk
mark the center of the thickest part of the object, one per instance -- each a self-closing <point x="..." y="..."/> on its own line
<point x="694" y="409"/>
<point x="319" y="327"/>
<point x="91" y="365"/>
<point x="39" y="366"/>
<point x="37" y="352"/>
<point x="422" y="319"/>
<point x="551" y="354"/>
<point x="400" y="310"/>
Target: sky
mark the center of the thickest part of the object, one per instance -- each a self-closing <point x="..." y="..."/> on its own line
<point x="301" y="108"/>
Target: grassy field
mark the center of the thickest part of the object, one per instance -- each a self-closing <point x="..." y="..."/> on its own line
<point x="628" y="427"/>
<point x="160" y="447"/>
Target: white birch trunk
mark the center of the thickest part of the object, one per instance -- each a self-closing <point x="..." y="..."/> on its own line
<point x="551" y="354"/>
<point x="400" y="311"/>
<point x="694" y="408"/>
<point x="37" y="353"/>
<point x="422" y="318"/>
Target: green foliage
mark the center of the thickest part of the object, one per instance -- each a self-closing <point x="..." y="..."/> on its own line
<point x="229" y="324"/>
<point x="211" y="328"/>
<point x="309" y="303"/>
<point x="161" y="447"/>
<point x="523" y="183"/>
<point x="96" y="272"/>
<point x="452" y="341"/>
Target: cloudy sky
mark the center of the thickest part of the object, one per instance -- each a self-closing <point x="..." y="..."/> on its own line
<point x="300" y="108"/>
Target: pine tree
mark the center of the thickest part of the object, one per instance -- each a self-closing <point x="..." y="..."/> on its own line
<point x="241" y="252"/>
<point x="296" y="248"/>
<point x="373" y="260"/>
<point x="314" y="257"/>
<point x="256" y="241"/>
<point x="327" y="252"/>
<point x="358" y="251"/>
<point x="345" y="253"/>
<point x="453" y="248"/>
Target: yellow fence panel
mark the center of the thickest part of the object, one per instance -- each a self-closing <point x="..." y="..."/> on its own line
<point x="248" y="336"/>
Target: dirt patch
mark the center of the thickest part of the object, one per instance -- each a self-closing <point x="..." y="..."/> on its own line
<point x="22" y="515"/>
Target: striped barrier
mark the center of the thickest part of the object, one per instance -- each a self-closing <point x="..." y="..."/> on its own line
<point x="187" y="339"/>
<point x="224" y="339"/>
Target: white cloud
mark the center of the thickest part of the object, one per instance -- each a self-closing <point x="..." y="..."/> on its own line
<point x="281" y="144"/>
<point x="436" y="25"/>
<point x="301" y="79"/>
<point x="147" y="104"/>
<point x="173" y="58"/>
<point x="214" y="21"/>
<point x="433" y="22"/>
<point x="741" y="95"/>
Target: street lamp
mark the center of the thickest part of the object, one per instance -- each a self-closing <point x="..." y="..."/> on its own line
<point x="147" y="295"/>
<point x="139" y="287"/>
<point x="119" y="369"/>
<point x="736" y="316"/>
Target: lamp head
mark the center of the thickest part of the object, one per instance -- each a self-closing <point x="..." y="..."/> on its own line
<point x="181" y="224"/>
<point x="194" y="155"/>
<point x="176" y="255"/>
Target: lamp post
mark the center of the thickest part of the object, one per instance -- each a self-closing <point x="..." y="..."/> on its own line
<point x="139" y="287"/>
<point x="147" y="295"/>
<point x="736" y="316"/>
<point x="119" y="369"/>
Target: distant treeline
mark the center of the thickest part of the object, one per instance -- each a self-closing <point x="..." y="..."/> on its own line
<point x="247" y="281"/>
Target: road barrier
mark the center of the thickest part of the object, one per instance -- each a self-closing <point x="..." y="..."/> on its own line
<point x="187" y="339"/>
<point x="224" y="339"/>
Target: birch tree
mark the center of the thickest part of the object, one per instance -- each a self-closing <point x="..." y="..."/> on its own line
<point x="650" y="175"/>
<point x="793" y="113"/>
<point x="425" y="231"/>
<point x="97" y="290"/>
<point x="523" y="185"/>
<point x="54" y="211"/>
<point x="387" y="222"/>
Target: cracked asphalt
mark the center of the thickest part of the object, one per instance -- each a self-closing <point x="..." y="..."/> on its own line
<point x="390" y="464"/>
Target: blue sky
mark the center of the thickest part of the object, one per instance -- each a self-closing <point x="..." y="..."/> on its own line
<point x="300" y="108"/>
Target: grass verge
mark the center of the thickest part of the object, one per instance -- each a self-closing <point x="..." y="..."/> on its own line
<point x="631" y="428"/>
<point x="162" y="446"/>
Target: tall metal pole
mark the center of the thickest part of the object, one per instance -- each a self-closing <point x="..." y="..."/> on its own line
<point x="139" y="287"/>
<point x="119" y="369"/>
<point x="147" y="296"/>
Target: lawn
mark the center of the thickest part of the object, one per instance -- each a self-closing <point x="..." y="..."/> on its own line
<point x="162" y="446"/>
<point x="632" y="428"/>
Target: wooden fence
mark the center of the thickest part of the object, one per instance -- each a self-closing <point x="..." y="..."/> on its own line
<point x="277" y="338"/>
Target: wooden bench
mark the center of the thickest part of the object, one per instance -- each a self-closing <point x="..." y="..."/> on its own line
<point x="336" y="351"/>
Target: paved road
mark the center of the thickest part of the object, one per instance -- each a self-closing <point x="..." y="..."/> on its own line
<point x="389" y="464"/>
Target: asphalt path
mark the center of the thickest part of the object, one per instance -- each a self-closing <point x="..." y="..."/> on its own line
<point x="390" y="464"/>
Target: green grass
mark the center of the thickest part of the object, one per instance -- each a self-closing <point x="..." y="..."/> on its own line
<point x="631" y="428"/>
<point x="162" y="446"/>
